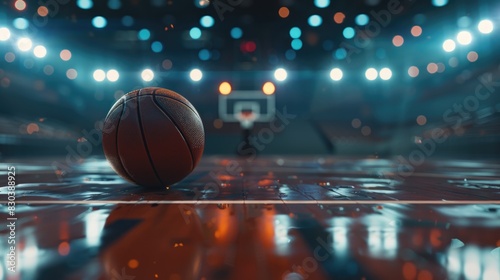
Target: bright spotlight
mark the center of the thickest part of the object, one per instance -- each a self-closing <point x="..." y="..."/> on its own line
<point x="24" y="44"/>
<point x="40" y="51"/>
<point x="280" y="74"/>
<point x="385" y="74"/>
<point x="225" y="88"/>
<point x="449" y="45"/>
<point x="147" y="75"/>
<point x="336" y="74"/>
<point x="485" y="26"/>
<point x="112" y="75"/>
<point x="371" y="74"/>
<point x="268" y="88"/>
<point x="464" y="38"/>
<point x="196" y="75"/>
<point x="99" y="75"/>
<point x="4" y="34"/>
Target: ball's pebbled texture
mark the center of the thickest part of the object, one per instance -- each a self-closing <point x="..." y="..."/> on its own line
<point x="153" y="137"/>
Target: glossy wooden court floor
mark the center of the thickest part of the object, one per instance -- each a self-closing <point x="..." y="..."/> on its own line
<point x="264" y="218"/>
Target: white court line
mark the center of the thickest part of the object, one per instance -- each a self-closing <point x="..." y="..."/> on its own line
<point x="332" y="202"/>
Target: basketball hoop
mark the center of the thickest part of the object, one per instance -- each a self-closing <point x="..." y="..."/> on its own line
<point x="247" y="118"/>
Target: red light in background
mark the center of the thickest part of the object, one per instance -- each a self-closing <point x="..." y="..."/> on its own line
<point x="248" y="46"/>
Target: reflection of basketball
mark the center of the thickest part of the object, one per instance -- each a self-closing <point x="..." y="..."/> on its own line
<point x="153" y="137"/>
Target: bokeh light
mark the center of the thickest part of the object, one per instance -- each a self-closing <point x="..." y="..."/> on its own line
<point x="112" y="75"/>
<point x="371" y="74"/>
<point x="398" y="40"/>
<point x="280" y="74"/>
<point x="204" y="54"/>
<point x="321" y="3"/>
<point x="225" y="88"/>
<point x="42" y="11"/>
<point x="314" y="20"/>
<point x="147" y="75"/>
<point x="40" y="51"/>
<point x="416" y="31"/>
<point x="432" y="68"/>
<point x="339" y="17"/>
<point x="362" y="19"/>
<point x="207" y="21"/>
<point x="20" y="5"/>
<point x="156" y="47"/>
<point x="21" y="23"/>
<point x="99" y="75"/>
<point x="485" y="26"/>
<point x="464" y="37"/>
<point x="24" y="44"/>
<point x="85" y="4"/>
<point x="144" y="34"/>
<point x="236" y="33"/>
<point x="439" y="3"/>
<point x="385" y="74"/>
<point x="4" y="34"/>
<point x="196" y="75"/>
<point x="449" y="45"/>
<point x="127" y="21"/>
<point x="268" y="88"/>
<point x="349" y="32"/>
<point x="296" y="44"/>
<point x="472" y="56"/>
<point x="421" y="120"/>
<point x="283" y="12"/>
<point x="295" y="32"/>
<point x="99" y="22"/>
<point x="71" y="74"/>
<point x="65" y="55"/>
<point x="336" y="74"/>
<point x="195" y="33"/>
<point x="413" y="71"/>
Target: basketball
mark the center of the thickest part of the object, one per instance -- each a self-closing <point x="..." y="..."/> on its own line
<point x="153" y="137"/>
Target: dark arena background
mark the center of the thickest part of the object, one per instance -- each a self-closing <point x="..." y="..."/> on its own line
<point x="344" y="139"/>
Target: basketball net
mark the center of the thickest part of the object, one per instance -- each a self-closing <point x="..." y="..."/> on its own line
<point x="246" y="119"/>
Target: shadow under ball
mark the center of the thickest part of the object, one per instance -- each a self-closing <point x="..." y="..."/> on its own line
<point x="153" y="137"/>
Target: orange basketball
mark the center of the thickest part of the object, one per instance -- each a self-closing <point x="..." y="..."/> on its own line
<point x="153" y="137"/>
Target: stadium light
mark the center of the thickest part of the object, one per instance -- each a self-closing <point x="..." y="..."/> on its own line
<point x="40" y="51"/>
<point x="4" y="34"/>
<point x="147" y="75"/>
<point x="268" y="88"/>
<point x="449" y="45"/>
<point x="112" y="75"/>
<point x="24" y="44"/>
<point x="385" y="74"/>
<point x="225" y="88"/>
<point x="485" y="26"/>
<point x="196" y="75"/>
<point x="336" y="74"/>
<point x="99" y="75"/>
<point x="371" y="74"/>
<point x="464" y="38"/>
<point x="280" y="74"/>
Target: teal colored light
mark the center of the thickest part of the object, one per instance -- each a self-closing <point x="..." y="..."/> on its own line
<point x="290" y="54"/>
<point x="204" y="54"/>
<point x="207" y="21"/>
<point x="195" y="33"/>
<point x="439" y="3"/>
<point x="321" y="3"/>
<point x="85" y="4"/>
<point x="340" y="54"/>
<point x="296" y="44"/>
<point x="236" y="33"/>
<point x="114" y="4"/>
<point x="21" y="23"/>
<point x="314" y="20"/>
<point x="295" y="32"/>
<point x="362" y="19"/>
<point x="156" y="47"/>
<point x="127" y="21"/>
<point x="99" y="22"/>
<point x="144" y="34"/>
<point x="349" y="32"/>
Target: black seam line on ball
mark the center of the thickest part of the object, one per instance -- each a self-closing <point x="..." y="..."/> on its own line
<point x="144" y="140"/>
<point x="178" y="129"/>
<point x="116" y="144"/>
<point x="169" y="97"/>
